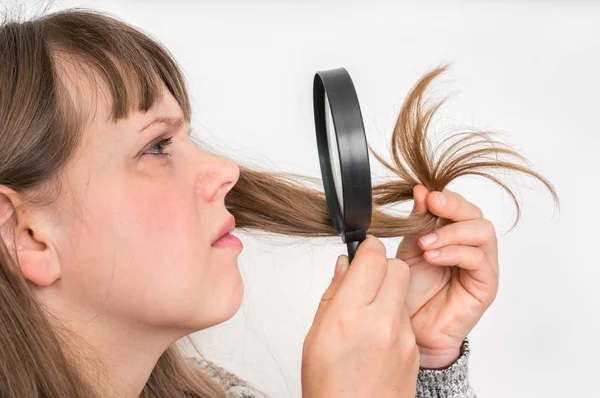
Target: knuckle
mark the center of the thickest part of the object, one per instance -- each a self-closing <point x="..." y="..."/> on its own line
<point x="488" y="229"/>
<point x="410" y="346"/>
<point x="391" y="333"/>
<point x="348" y="321"/>
<point x="400" y="265"/>
<point x="308" y="343"/>
<point x="493" y="293"/>
<point x="457" y="201"/>
<point x="479" y="256"/>
<point x="449" y="193"/>
<point x="413" y="355"/>
<point x="388" y="333"/>
<point x="491" y="298"/>
<point x="467" y="206"/>
<point x="478" y="211"/>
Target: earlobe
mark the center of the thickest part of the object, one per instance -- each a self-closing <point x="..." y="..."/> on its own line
<point x="36" y="259"/>
<point x="38" y="267"/>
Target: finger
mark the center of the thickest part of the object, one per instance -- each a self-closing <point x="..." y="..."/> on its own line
<point x="466" y="257"/>
<point x="453" y="206"/>
<point x="391" y="296"/>
<point x="409" y="248"/>
<point x="340" y="270"/>
<point x="474" y="262"/>
<point x="478" y="232"/>
<point x="419" y="196"/>
<point x="365" y="274"/>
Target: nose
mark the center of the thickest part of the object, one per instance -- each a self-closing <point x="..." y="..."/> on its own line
<point x="217" y="177"/>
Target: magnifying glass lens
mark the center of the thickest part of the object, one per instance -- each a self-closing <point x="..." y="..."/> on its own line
<point x="334" y="153"/>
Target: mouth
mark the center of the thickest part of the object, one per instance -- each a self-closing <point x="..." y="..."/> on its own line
<point x="227" y="227"/>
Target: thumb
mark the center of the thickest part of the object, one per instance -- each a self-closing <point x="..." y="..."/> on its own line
<point x="341" y="266"/>
<point x="409" y="246"/>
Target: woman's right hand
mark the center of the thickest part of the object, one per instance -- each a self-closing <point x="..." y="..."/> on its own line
<point x="361" y="342"/>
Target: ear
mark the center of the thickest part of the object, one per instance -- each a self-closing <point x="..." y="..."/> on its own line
<point x="26" y="236"/>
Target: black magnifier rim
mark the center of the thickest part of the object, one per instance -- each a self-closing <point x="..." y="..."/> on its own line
<point x="354" y="220"/>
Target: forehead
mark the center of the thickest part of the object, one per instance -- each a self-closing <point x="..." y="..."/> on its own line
<point x="93" y="98"/>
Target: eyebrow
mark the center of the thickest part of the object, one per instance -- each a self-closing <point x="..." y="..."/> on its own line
<point x="171" y="121"/>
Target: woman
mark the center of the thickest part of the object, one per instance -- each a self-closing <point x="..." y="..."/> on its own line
<point x="110" y="217"/>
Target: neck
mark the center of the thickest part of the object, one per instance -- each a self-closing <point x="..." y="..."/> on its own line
<point x="118" y="360"/>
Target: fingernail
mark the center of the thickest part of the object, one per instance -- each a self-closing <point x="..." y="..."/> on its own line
<point x="441" y="198"/>
<point x="433" y="253"/>
<point x="339" y="264"/>
<point x="428" y="239"/>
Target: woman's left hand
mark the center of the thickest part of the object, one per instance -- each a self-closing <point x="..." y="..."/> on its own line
<point x="453" y="274"/>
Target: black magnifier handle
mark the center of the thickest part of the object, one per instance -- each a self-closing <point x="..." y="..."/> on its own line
<point x="352" y="247"/>
<point x="353" y="240"/>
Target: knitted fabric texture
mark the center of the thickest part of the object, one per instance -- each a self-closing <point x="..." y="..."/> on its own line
<point x="451" y="382"/>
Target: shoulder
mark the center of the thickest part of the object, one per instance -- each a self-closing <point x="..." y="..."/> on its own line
<point x="234" y="386"/>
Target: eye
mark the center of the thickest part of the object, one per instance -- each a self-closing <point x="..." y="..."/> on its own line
<point x="158" y="149"/>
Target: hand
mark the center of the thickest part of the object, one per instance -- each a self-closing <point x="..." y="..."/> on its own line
<point x="361" y="343"/>
<point x="454" y="279"/>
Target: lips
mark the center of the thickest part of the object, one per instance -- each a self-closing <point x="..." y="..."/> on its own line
<point x="227" y="227"/>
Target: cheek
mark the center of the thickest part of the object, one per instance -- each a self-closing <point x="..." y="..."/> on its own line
<point x="143" y="253"/>
<point x="165" y="236"/>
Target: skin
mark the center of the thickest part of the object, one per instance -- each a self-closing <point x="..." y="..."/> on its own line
<point x="449" y="293"/>
<point x="124" y="256"/>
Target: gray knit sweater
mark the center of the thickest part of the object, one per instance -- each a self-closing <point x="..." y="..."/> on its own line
<point x="451" y="382"/>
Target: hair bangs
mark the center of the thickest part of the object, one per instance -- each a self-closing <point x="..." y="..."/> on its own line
<point x="132" y="65"/>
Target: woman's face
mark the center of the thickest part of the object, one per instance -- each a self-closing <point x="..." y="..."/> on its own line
<point x="135" y="227"/>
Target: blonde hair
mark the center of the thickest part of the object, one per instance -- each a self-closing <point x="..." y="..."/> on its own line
<point x="40" y="131"/>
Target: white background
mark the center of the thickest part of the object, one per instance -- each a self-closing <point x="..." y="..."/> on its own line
<point x="526" y="69"/>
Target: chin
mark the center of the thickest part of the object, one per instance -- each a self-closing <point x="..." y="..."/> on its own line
<point x="236" y="297"/>
<point x="230" y="302"/>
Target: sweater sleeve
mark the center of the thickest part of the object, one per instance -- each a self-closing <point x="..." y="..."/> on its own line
<point x="451" y="382"/>
<point x="233" y="386"/>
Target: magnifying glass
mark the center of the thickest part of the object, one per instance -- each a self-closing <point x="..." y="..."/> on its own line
<point x="343" y="155"/>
